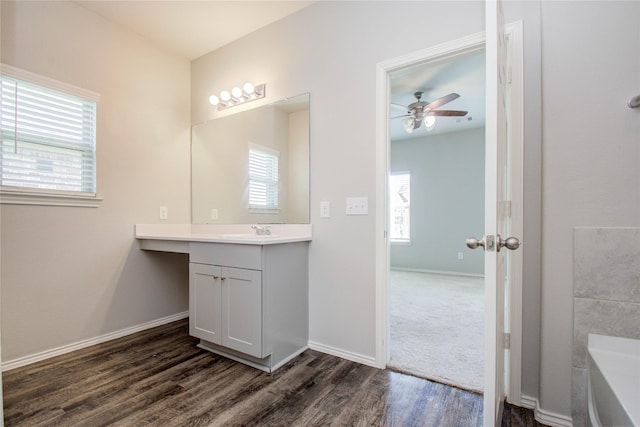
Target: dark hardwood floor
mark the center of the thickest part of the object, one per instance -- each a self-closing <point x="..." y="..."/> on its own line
<point x="159" y="377"/>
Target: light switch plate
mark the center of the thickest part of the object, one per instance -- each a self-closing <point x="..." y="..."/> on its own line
<point x="357" y="206"/>
<point x="325" y="209"/>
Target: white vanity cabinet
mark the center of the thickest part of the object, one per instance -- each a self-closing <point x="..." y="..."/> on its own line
<point x="225" y="307"/>
<point x="248" y="294"/>
<point x="250" y="302"/>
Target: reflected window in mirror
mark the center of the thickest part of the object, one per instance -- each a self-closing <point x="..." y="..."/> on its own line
<point x="224" y="186"/>
<point x="263" y="179"/>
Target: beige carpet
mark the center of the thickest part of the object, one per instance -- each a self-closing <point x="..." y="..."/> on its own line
<point x="437" y="327"/>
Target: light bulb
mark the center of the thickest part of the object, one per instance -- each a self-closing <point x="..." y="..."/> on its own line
<point x="214" y="100"/>
<point x="236" y="92"/>
<point x="225" y="95"/>
<point x="429" y="121"/>
<point x="248" y="88"/>
<point x="408" y="124"/>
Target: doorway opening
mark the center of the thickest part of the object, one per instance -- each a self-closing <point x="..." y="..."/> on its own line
<point x="513" y="291"/>
<point x="436" y="200"/>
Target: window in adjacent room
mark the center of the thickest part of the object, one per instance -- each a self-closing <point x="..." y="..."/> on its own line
<point x="263" y="179"/>
<point x="48" y="147"/>
<point x="400" y="207"/>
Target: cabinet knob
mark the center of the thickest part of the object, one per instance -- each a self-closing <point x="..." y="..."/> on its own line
<point x="216" y="277"/>
<point x="223" y="278"/>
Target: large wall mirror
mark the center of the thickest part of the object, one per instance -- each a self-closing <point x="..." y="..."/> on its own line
<point x="253" y="166"/>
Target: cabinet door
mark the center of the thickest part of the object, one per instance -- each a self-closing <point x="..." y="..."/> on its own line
<point x="205" y="298"/>
<point x="242" y="310"/>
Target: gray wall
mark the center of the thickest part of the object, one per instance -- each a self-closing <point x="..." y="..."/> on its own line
<point x="591" y="157"/>
<point x="71" y="274"/>
<point x="447" y="201"/>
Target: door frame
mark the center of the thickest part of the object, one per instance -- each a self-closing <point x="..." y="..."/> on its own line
<point x="383" y="70"/>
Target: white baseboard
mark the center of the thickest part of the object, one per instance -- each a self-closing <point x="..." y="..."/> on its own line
<point x="343" y="354"/>
<point x="290" y="358"/>
<point x="545" y="417"/>
<point x="27" y="360"/>
<point x="445" y="273"/>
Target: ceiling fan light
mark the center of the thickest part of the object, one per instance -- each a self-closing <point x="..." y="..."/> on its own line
<point x="409" y="124"/>
<point x="429" y="121"/>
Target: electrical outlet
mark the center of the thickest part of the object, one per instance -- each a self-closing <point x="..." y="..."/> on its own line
<point x="460" y="255"/>
<point x="214" y="214"/>
<point x="325" y="209"/>
<point x="357" y="206"/>
<point x="164" y="212"/>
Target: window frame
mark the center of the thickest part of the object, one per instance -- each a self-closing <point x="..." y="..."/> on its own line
<point x="399" y="240"/>
<point x="17" y="195"/>
<point x="271" y="208"/>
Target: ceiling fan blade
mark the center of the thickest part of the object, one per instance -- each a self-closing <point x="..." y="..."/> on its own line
<point x="404" y="107"/>
<point x="451" y="113"/>
<point x="398" y="117"/>
<point x="441" y="101"/>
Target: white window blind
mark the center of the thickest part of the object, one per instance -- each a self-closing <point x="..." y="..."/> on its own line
<point x="263" y="178"/>
<point x="48" y="138"/>
<point x="400" y="206"/>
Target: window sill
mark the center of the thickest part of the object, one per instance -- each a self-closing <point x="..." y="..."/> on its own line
<point x="400" y="242"/>
<point x="25" y="197"/>
<point x="273" y="211"/>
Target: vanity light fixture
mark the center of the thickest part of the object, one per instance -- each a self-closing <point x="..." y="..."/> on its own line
<point x="237" y="96"/>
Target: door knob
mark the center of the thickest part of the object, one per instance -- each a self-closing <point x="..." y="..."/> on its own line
<point x="489" y="243"/>
<point x="473" y="243"/>
<point x="511" y="243"/>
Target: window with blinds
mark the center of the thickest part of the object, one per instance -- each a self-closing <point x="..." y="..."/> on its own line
<point x="263" y="178"/>
<point x="400" y="207"/>
<point x="48" y="138"/>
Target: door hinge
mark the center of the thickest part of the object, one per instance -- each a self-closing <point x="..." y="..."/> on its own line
<point x="509" y="75"/>
<point x="385" y="234"/>
<point x="506" y="208"/>
<point x="507" y="340"/>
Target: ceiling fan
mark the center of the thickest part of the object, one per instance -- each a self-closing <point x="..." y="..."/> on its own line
<point x="421" y="111"/>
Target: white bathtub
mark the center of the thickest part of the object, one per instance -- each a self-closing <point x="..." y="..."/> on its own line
<point x="613" y="381"/>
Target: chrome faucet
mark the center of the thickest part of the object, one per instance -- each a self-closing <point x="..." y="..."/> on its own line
<point x="262" y="230"/>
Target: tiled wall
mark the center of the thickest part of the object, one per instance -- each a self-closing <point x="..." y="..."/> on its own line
<point x="606" y="296"/>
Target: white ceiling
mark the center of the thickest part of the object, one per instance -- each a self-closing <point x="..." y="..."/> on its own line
<point x="191" y="29"/>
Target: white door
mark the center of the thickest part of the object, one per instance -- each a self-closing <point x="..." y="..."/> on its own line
<point x="495" y="201"/>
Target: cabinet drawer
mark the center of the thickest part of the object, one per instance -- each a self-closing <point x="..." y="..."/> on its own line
<point x="240" y="256"/>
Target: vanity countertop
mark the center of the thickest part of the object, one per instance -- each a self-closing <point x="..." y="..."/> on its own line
<point x="223" y="233"/>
